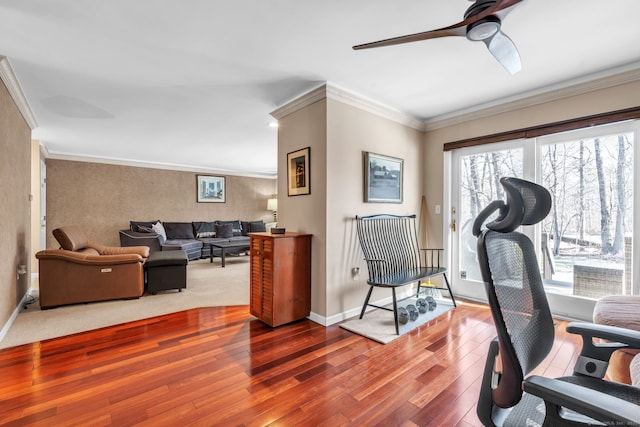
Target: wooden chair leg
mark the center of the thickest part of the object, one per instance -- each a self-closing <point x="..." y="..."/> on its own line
<point x="366" y="302"/>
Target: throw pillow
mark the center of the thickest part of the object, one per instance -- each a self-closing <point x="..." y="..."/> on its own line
<point x="237" y="227"/>
<point x="204" y="229"/>
<point x="224" y="230"/>
<point x="178" y="230"/>
<point x="158" y="228"/>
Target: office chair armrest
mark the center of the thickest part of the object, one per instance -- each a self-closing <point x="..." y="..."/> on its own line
<point x="589" y="402"/>
<point x="607" y="332"/>
<point x="594" y="356"/>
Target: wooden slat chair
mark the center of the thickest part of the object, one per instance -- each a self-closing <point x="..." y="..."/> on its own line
<point x="394" y="258"/>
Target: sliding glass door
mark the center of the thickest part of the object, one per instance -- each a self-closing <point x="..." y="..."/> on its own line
<point x="586" y="243"/>
<point x="588" y="236"/>
<point x="477" y="173"/>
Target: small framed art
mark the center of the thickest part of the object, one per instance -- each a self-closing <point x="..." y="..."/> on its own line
<point x="299" y="172"/>
<point x="382" y="178"/>
<point x="211" y="189"/>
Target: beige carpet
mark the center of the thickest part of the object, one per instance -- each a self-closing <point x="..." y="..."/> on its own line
<point x="207" y="285"/>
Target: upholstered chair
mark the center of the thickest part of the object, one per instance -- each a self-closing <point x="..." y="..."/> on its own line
<point x="83" y="271"/>
<point x="622" y="311"/>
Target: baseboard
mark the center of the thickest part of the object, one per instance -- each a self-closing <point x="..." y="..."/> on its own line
<point x="340" y="317"/>
<point x="14" y="315"/>
<point x="314" y="317"/>
<point x="337" y="318"/>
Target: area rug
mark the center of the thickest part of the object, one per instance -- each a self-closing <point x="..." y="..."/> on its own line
<point x="379" y="326"/>
<point x="208" y="285"/>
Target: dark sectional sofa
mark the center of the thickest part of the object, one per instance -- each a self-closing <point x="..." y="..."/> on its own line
<point x="188" y="236"/>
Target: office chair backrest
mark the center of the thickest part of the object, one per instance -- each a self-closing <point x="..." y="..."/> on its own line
<point x="514" y="286"/>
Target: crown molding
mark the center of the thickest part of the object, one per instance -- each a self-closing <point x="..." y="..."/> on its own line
<point x="602" y="80"/>
<point x="15" y="90"/>
<point x="312" y="96"/>
<point x="44" y="152"/>
<point x="329" y="90"/>
<point x="350" y="98"/>
<point x="57" y="155"/>
<point x="597" y="81"/>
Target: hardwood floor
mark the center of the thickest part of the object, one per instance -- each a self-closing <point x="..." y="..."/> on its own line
<point x="221" y="366"/>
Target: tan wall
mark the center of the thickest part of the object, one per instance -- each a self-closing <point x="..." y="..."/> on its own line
<point x="15" y="185"/>
<point x="338" y="134"/>
<point x="103" y="198"/>
<point x="306" y="213"/>
<point x="352" y="131"/>
<point x="606" y="100"/>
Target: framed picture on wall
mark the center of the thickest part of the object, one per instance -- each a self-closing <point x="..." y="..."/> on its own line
<point x="299" y="172"/>
<point x="383" y="177"/>
<point x="211" y="189"/>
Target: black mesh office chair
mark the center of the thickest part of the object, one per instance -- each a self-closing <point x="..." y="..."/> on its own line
<point x="525" y="331"/>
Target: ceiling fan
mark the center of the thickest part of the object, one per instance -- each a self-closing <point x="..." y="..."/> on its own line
<point x="482" y="22"/>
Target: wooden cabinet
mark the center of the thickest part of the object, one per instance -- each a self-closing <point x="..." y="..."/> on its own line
<point x="280" y="277"/>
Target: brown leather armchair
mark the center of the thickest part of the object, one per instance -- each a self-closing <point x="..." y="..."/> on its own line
<point x="83" y="271"/>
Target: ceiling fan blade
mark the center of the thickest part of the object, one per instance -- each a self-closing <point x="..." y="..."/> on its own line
<point x="458" y="29"/>
<point x="505" y="51"/>
<point x="501" y="8"/>
<point x="501" y="5"/>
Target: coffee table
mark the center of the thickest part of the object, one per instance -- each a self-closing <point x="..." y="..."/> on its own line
<point x="224" y="246"/>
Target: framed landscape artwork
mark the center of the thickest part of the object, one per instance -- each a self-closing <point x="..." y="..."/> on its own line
<point x="299" y="172"/>
<point x="211" y="189"/>
<point x="382" y="178"/>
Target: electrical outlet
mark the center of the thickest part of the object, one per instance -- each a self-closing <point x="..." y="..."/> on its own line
<point x="22" y="269"/>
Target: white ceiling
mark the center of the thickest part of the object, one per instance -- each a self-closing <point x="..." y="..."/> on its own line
<point x="190" y="84"/>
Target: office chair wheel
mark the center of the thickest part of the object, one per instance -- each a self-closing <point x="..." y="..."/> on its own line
<point x="403" y="315"/>
<point x="422" y="305"/>
<point x="432" y="303"/>
<point x="413" y="312"/>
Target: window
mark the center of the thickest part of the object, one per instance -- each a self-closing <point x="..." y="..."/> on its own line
<point x="479" y="185"/>
<point x="587" y="240"/>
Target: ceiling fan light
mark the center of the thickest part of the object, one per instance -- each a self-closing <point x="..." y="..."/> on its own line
<point x="483" y="29"/>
